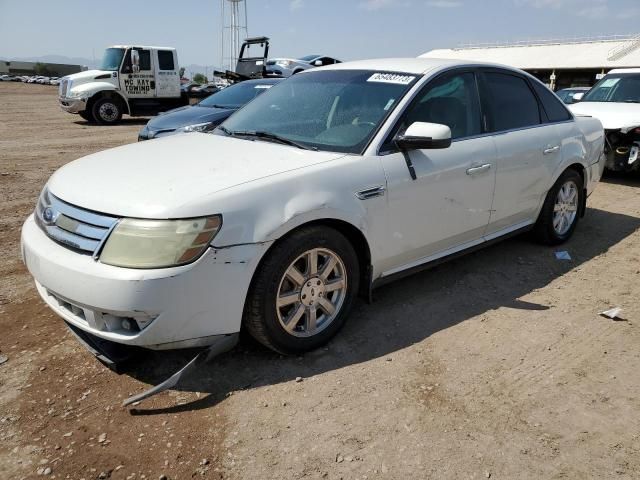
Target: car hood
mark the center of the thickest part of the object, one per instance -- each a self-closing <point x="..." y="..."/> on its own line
<point x="189" y="115"/>
<point x="174" y="177"/>
<point x="613" y="116"/>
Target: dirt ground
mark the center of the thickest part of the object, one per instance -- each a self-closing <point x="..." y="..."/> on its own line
<point x="496" y="365"/>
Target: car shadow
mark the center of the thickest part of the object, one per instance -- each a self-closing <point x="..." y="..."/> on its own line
<point x="629" y="179"/>
<point x="403" y="313"/>
<point x="124" y="121"/>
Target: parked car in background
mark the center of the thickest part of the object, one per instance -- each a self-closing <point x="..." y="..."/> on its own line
<point x="54" y="81"/>
<point x="207" y="114"/>
<point x="331" y="183"/>
<point x="7" y="78"/>
<point x="615" y="101"/>
<point x="188" y="87"/>
<point x="285" y="67"/>
<point x="566" y="94"/>
<point x="203" y="91"/>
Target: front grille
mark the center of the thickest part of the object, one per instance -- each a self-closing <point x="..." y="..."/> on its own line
<point x="64" y="85"/>
<point x="72" y="226"/>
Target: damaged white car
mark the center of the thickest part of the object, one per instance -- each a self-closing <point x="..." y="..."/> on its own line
<point x="325" y="187"/>
<point x="615" y="101"/>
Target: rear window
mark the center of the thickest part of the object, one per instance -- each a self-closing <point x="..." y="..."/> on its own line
<point x="553" y="107"/>
<point x="510" y="104"/>
<point x="165" y="60"/>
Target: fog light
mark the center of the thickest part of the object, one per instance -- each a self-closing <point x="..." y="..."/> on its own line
<point x="126" y="324"/>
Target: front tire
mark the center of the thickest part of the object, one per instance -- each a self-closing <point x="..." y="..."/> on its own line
<point x="561" y="210"/>
<point x="107" y="111"/>
<point x="301" y="295"/>
<point x="85" y="115"/>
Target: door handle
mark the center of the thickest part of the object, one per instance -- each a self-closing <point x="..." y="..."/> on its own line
<point x="477" y="170"/>
<point x="549" y="150"/>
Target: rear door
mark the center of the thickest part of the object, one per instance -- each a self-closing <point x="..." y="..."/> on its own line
<point x="525" y="148"/>
<point x="137" y="79"/>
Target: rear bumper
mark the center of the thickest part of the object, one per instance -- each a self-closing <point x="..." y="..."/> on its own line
<point x="169" y="308"/>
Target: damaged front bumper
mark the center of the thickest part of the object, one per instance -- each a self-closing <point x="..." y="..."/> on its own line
<point x="160" y="309"/>
<point x="622" y="150"/>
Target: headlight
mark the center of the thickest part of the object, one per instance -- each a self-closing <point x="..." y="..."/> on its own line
<point x="283" y="63"/>
<point x="200" y="127"/>
<point x="76" y="94"/>
<point x="136" y="243"/>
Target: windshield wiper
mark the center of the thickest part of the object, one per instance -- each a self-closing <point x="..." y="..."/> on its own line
<point x="268" y="136"/>
<point x="224" y="107"/>
<point x="225" y="130"/>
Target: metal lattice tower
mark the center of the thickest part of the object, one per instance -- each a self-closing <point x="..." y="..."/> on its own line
<point x="234" y="31"/>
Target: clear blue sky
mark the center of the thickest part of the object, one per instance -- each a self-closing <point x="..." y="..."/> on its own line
<point x="347" y="29"/>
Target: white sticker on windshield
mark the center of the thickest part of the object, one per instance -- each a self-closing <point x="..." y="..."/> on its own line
<point x="391" y="78"/>
<point x="610" y="82"/>
<point x="389" y="103"/>
<point x="263" y="86"/>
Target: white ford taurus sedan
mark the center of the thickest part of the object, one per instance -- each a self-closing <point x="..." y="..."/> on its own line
<point x="326" y="186"/>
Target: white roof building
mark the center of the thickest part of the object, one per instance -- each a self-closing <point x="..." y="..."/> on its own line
<point x="598" y="53"/>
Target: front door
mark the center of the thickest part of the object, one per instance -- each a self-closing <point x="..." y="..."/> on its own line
<point x="137" y="78"/>
<point x="448" y="205"/>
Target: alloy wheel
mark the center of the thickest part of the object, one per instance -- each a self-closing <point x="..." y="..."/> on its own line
<point x="311" y="292"/>
<point x="565" y="208"/>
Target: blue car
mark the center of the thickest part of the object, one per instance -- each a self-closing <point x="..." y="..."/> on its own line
<point x="207" y="114"/>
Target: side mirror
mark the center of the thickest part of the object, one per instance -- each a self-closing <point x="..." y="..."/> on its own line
<point x="577" y="96"/>
<point x="423" y="135"/>
<point x="318" y="63"/>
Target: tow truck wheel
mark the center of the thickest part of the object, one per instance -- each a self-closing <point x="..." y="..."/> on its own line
<point x="107" y="111"/>
<point x="86" y="116"/>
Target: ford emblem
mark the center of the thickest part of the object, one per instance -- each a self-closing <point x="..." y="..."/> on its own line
<point x="47" y="215"/>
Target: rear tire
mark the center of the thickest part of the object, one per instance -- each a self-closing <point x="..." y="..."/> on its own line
<point x="294" y="307"/>
<point x="107" y="111"/>
<point x="561" y="210"/>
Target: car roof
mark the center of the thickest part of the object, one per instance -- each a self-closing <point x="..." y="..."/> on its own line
<point x="148" y="47"/>
<point x="415" y="66"/>
<point x="624" y="70"/>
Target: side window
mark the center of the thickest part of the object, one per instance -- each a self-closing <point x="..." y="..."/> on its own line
<point x="165" y="60"/>
<point x="509" y="102"/>
<point x="451" y="100"/>
<point x="554" y="108"/>
<point x="145" y="59"/>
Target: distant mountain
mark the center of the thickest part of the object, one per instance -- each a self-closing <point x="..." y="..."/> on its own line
<point x="57" y="59"/>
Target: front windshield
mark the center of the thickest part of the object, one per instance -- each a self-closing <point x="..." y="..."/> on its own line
<point x="335" y="110"/>
<point x="236" y="95"/>
<point x="622" y="88"/>
<point x="112" y="59"/>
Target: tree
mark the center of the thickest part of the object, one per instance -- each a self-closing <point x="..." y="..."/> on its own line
<point x="181" y="72"/>
<point x="200" y="78"/>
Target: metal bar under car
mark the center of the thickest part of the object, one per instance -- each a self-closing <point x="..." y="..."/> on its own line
<point x="113" y="355"/>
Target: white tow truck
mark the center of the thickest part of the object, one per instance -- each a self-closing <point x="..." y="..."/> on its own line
<point x="133" y="80"/>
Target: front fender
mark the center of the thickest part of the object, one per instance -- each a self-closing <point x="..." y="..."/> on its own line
<point x="91" y="90"/>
